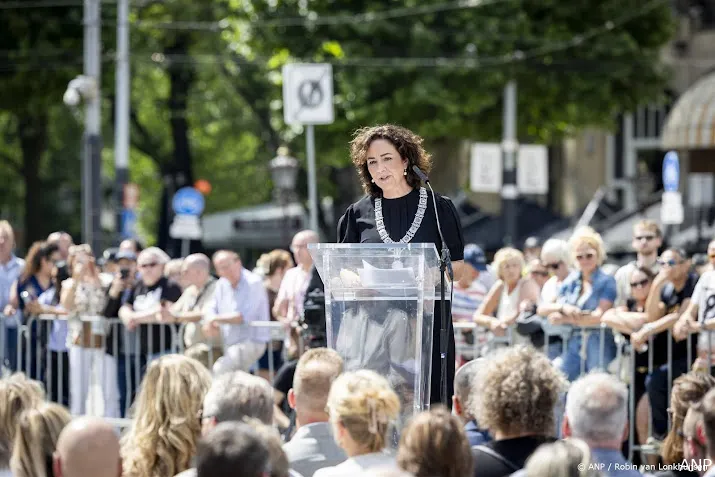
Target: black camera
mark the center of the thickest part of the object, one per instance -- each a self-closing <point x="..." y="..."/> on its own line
<point x="124" y="273"/>
<point x="63" y="272"/>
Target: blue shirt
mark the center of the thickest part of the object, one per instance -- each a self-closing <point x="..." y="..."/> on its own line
<point x="248" y="298"/>
<point x="475" y="435"/>
<point x="9" y="274"/>
<point x="603" y="287"/>
<point x="614" y="464"/>
<point x="57" y="341"/>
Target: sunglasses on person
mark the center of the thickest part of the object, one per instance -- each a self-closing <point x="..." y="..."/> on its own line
<point x="670" y="263"/>
<point x="585" y="256"/>
<point x="553" y="266"/>
<point x="541" y="273"/>
<point x="148" y="265"/>
<point x="647" y="238"/>
<point x="640" y="284"/>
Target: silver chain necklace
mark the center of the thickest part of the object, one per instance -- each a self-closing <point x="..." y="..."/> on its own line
<point x="380" y="222"/>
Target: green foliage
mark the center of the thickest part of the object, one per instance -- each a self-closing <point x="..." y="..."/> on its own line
<point x="561" y="88"/>
<point x="440" y="71"/>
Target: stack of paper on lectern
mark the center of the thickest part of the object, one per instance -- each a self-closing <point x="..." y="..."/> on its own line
<point x="373" y="277"/>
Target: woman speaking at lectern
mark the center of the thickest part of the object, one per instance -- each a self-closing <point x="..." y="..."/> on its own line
<point x="398" y="208"/>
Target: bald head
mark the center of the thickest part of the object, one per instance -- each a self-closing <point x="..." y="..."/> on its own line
<point x="307" y="236"/>
<point x="299" y="247"/>
<point x="197" y="261"/>
<point x="195" y="270"/>
<point x="87" y="446"/>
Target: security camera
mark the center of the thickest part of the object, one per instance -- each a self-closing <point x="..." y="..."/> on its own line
<point x="71" y="97"/>
<point x="82" y="87"/>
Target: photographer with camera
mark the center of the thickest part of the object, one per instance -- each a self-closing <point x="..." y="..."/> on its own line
<point x="127" y="353"/>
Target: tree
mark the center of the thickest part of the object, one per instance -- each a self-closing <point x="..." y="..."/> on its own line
<point x="440" y="68"/>
<point x="41" y="54"/>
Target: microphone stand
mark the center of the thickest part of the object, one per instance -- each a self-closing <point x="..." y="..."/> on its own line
<point x="445" y="266"/>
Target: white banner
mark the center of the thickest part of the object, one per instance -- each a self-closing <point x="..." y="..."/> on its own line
<point x="532" y="169"/>
<point x="485" y="168"/>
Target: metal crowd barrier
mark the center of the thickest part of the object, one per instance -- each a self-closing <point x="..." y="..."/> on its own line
<point x="624" y="350"/>
<point x="95" y="360"/>
<point x="35" y="357"/>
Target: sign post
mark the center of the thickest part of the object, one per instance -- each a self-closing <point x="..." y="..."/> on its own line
<point x="308" y="100"/>
<point x="671" y="209"/>
<point x="188" y="204"/>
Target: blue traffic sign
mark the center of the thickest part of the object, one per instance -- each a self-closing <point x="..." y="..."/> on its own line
<point x="671" y="172"/>
<point x="188" y="201"/>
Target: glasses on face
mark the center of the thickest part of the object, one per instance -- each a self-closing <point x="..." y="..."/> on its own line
<point x="553" y="266"/>
<point x="647" y="238"/>
<point x="640" y="284"/>
<point x="148" y="265"/>
<point x="670" y="263"/>
<point x="541" y="273"/>
<point x="586" y="256"/>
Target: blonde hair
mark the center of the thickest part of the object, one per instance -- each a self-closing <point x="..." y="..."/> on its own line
<point x="518" y="389"/>
<point x="687" y="390"/>
<point x="650" y="225"/>
<point x="588" y="236"/>
<point x="505" y="255"/>
<point x="37" y="433"/>
<point x="434" y="443"/>
<point x="269" y="263"/>
<point x="166" y="425"/>
<point x="365" y="404"/>
<point x="567" y="458"/>
<point x="317" y="369"/>
<point x="17" y="393"/>
<point x="173" y="267"/>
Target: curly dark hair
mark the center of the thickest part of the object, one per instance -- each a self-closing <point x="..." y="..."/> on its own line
<point x="407" y="143"/>
<point x="518" y="391"/>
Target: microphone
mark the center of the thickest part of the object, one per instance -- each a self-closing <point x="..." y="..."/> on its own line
<point x="445" y="263"/>
<point x="445" y="250"/>
<point x="421" y="175"/>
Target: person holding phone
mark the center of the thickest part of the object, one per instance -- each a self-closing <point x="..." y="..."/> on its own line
<point x="84" y="298"/>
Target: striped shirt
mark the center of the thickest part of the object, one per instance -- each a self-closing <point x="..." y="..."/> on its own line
<point x="467" y="300"/>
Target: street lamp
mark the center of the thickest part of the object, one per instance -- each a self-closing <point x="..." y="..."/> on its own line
<point x="284" y="170"/>
<point x="85" y="89"/>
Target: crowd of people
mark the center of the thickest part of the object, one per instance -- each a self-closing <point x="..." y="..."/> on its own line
<point x="562" y="364"/>
<point x="189" y="422"/>
<point x="646" y="322"/>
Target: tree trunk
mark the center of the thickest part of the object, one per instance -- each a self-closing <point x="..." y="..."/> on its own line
<point x="32" y="131"/>
<point x="179" y="173"/>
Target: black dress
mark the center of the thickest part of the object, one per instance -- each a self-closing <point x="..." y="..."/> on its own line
<point x="357" y="225"/>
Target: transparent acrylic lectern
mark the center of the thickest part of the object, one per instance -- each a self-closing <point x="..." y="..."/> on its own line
<point x="379" y="310"/>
